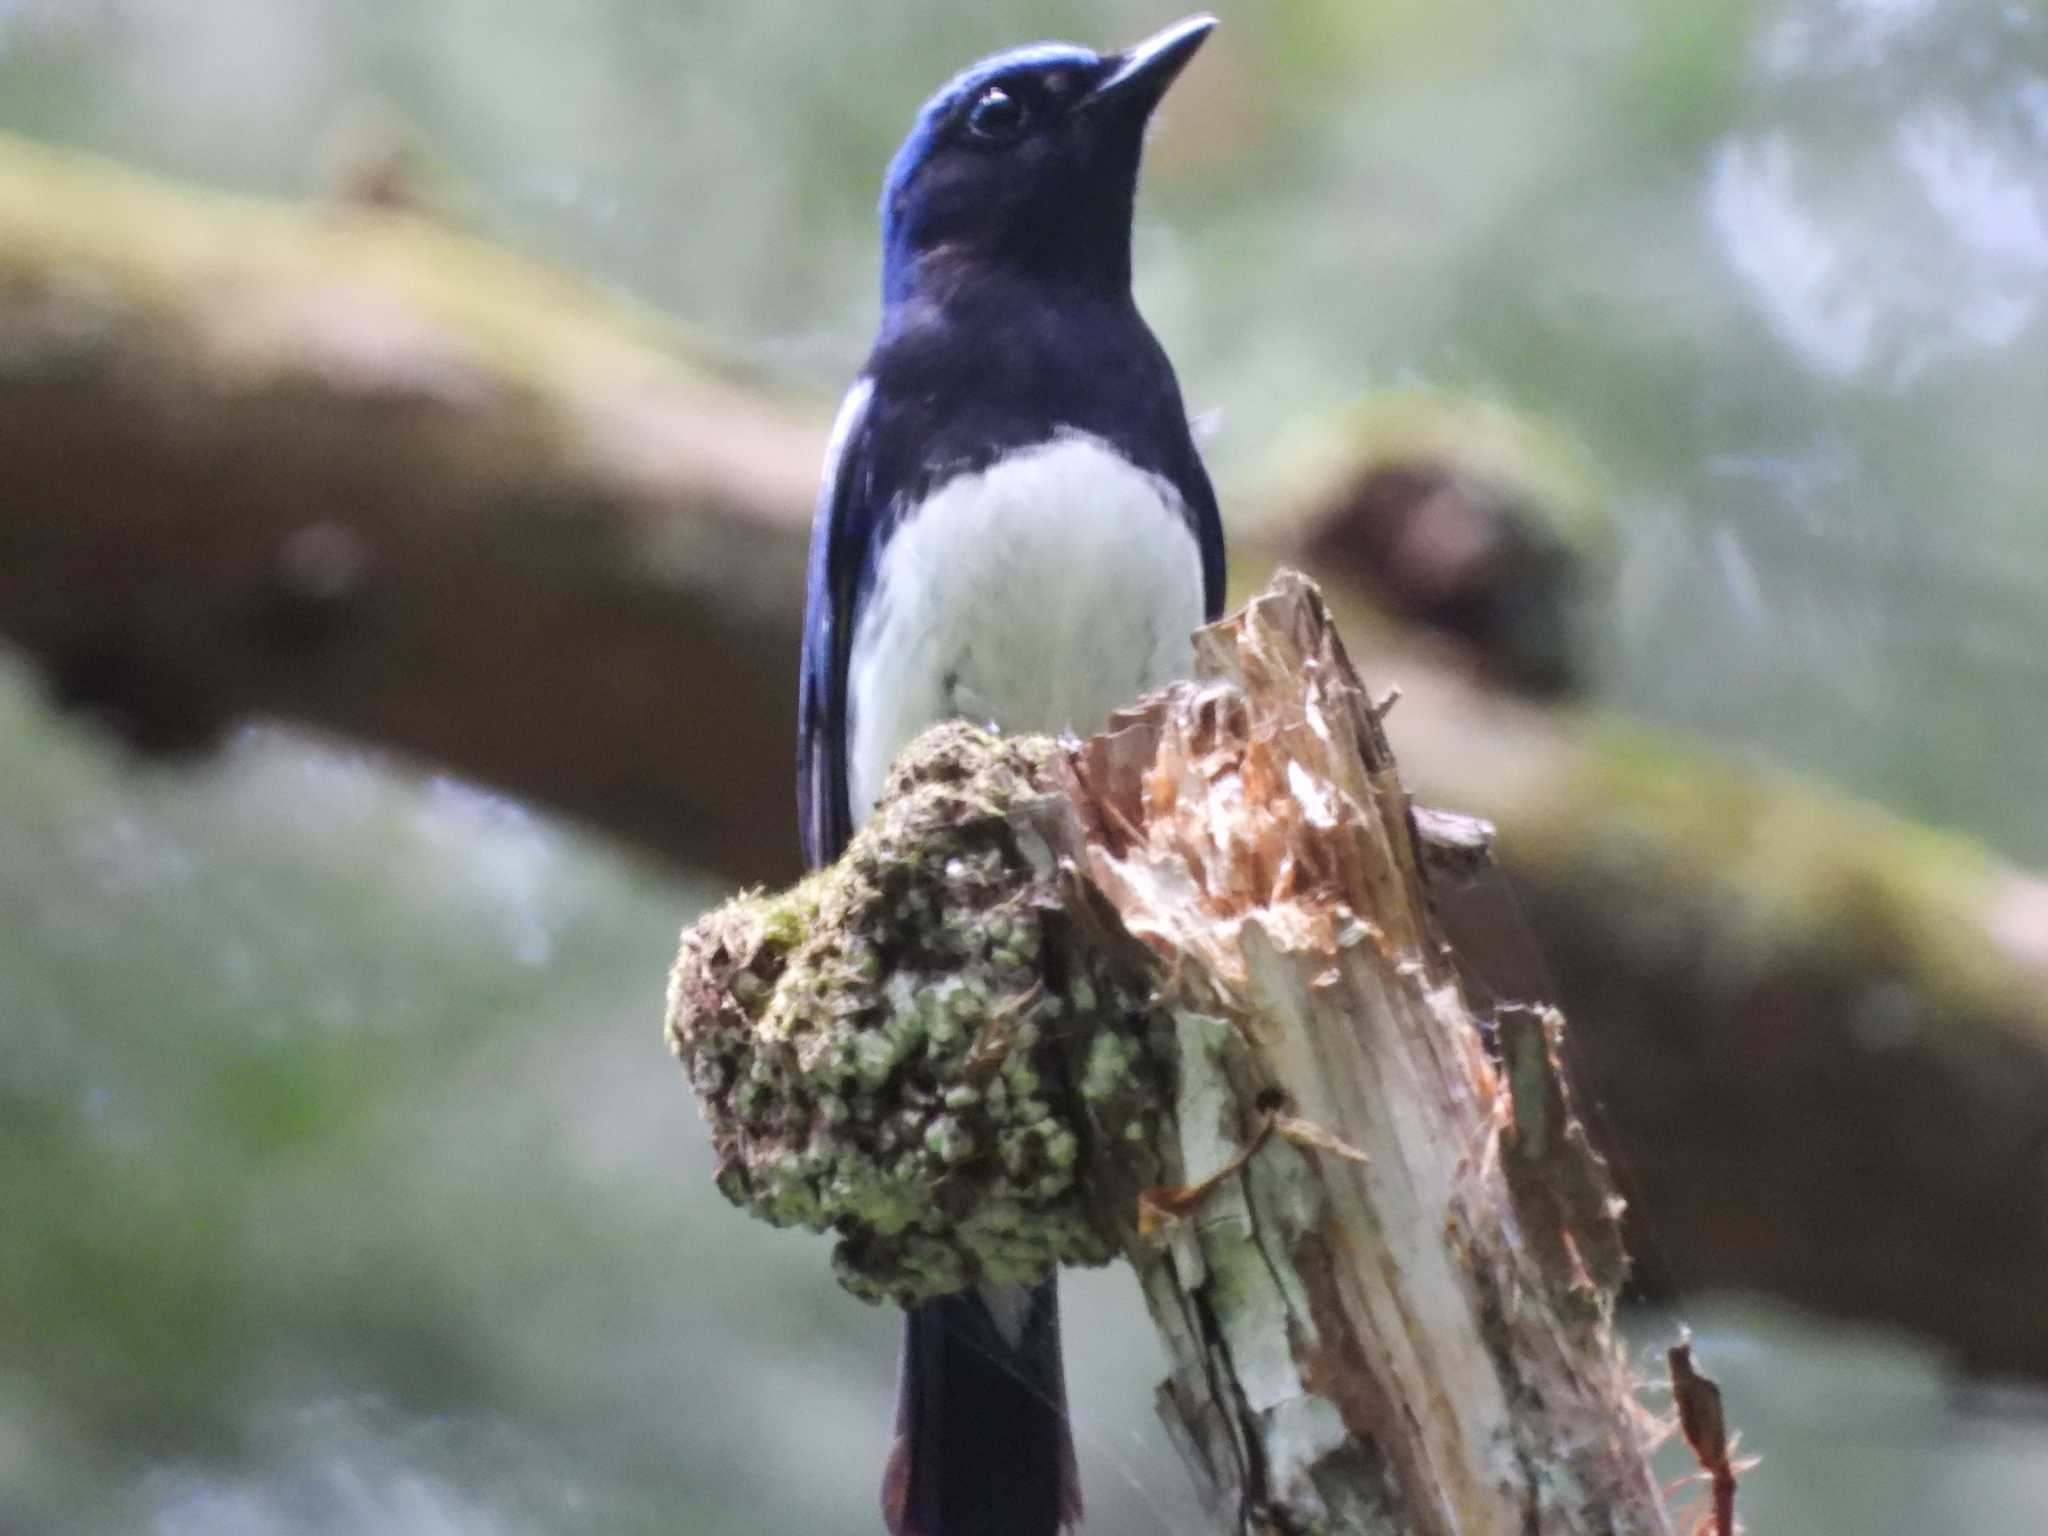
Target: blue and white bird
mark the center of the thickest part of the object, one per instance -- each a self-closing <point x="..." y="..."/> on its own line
<point x="1015" y="529"/>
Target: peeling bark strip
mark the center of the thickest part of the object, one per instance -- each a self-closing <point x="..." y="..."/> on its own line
<point x="1705" y="1427"/>
<point x="1197" y="949"/>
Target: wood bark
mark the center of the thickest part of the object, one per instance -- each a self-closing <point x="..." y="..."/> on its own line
<point x="347" y="468"/>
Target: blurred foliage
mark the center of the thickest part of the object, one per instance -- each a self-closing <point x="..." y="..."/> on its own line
<point x="337" y="1109"/>
<point x="346" y="1183"/>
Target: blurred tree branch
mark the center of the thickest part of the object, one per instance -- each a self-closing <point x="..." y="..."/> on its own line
<point x="346" y="468"/>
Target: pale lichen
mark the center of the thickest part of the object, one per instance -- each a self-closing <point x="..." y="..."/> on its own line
<point x="904" y="1050"/>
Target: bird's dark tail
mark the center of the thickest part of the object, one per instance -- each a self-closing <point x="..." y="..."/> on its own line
<point x="983" y="1447"/>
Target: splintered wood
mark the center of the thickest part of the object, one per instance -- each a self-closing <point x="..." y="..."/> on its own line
<point x="1395" y="1317"/>
<point x="1704" y="1425"/>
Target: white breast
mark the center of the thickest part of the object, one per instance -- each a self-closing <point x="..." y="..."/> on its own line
<point x="1035" y="596"/>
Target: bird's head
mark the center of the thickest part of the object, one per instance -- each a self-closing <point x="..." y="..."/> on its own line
<point x="1029" y="160"/>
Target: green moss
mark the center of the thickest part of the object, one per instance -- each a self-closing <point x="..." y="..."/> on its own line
<point x="882" y="1052"/>
<point x="1776" y="866"/>
<point x="949" y="1139"/>
<point x="1110" y="1063"/>
<point x="532" y="328"/>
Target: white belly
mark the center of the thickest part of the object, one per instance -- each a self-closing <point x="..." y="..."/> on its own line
<point x="1036" y="596"/>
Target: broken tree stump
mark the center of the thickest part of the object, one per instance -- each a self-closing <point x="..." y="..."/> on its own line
<point x="1176" y="993"/>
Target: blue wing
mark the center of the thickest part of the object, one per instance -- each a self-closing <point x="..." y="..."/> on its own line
<point x="840" y="531"/>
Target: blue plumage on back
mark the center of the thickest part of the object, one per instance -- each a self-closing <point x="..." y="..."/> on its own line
<point x="1014" y="526"/>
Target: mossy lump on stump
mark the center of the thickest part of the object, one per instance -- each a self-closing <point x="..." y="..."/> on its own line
<point x="902" y="1049"/>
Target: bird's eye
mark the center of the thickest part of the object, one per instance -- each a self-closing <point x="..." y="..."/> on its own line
<point x="996" y="116"/>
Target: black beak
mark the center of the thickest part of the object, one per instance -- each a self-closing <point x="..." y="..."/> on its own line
<point x="1139" y="76"/>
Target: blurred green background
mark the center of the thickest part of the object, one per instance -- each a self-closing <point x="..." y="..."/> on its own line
<point x="346" y="1184"/>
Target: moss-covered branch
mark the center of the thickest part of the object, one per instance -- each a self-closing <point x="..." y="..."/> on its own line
<point x="1382" y="1269"/>
<point x="343" y="466"/>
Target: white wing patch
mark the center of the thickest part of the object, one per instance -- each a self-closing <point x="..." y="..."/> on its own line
<point x="1037" y="595"/>
<point x="1009" y="1309"/>
<point x="851" y="409"/>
